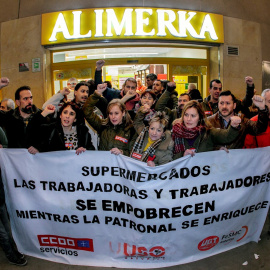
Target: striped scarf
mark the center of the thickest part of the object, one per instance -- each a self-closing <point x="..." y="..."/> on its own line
<point x="181" y="132"/>
<point x="138" y="146"/>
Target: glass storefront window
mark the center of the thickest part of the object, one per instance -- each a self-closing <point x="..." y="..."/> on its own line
<point x="119" y="73"/>
<point x="62" y="76"/>
<point x="184" y="75"/>
<point x="129" y="52"/>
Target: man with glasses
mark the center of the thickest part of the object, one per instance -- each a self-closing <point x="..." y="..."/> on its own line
<point x="210" y="103"/>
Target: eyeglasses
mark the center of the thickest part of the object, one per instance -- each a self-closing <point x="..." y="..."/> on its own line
<point x="217" y="88"/>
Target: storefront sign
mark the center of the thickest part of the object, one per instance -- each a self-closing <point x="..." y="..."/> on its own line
<point x="131" y="23"/>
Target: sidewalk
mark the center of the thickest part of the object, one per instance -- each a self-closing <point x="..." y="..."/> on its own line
<point x="230" y="260"/>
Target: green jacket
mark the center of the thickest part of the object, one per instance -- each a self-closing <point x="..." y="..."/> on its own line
<point x="207" y="140"/>
<point x="119" y="136"/>
<point x="161" y="106"/>
<point x="164" y="151"/>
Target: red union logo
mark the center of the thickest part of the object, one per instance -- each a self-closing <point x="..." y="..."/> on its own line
<point x="133" y="250"/>
<point x="136" y="155"/>
<point x="208" y="243"/>
<point x="118" y="138"/>
<point x="66" y="242"/>
<point x="245" y="233"/>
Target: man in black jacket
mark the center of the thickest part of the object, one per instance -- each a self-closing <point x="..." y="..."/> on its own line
<point x="16" y="122"/>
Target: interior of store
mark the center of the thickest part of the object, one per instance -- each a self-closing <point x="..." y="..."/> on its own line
<point x="181" y="65"/>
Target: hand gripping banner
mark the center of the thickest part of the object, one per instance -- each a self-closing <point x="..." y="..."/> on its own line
<point x="98" y="209"/>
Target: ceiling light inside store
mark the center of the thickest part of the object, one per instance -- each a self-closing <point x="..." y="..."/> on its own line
<point x="116" y="54"/>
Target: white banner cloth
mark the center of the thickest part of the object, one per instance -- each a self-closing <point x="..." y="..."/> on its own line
<point x="98" y="209"/>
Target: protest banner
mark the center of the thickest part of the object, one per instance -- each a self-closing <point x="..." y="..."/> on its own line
<point x="98" y="209"/>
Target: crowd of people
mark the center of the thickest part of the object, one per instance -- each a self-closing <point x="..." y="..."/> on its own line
<point x="147" y="123"/>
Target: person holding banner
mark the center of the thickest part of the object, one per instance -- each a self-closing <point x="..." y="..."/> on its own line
<point x="154" y="144"/>
<point x="67" y="133"/>
<point x="193" y="132"/>
<point x="116" y="132"/>
<point x="226" y="107"/>
<point x="6" y="240"/>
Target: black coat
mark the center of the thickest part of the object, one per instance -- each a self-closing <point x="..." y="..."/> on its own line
<point x="50" y="137"/>
<point x="18" y="132"/>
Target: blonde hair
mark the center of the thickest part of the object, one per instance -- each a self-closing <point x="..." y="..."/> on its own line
<point x="160" y="117"/>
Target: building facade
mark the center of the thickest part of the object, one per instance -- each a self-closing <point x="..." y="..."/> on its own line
<point x="26" y="59"/>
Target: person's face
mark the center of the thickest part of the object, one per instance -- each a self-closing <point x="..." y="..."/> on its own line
<point x="3" y="106"/>
<point x="130" y="86"/>
<point x="147" y="99"/>
<point x="226" y="105"/>
<point x="191" y="118"/>
<point x="116" y="115"/>
<point x="81" y="94"/>
<point x="139" y="82"/>
<point x="71" y="85"/>
<point x="149" y="82"/>
<point x="182" y="101"/>
<point x="155" y="131"/>
<point x="215" y="91"/>
<point x="68" y="117"/>
<point x="267" y="101"/>
<point x="157" y="87"/>
<point x="25" y="102"/>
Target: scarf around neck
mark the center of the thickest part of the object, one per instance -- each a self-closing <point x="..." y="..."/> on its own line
<point x="181" y="132"/>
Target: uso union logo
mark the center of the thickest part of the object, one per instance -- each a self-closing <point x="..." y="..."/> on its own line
<point x="208" y="243"/>
<point x="134" y="251"/>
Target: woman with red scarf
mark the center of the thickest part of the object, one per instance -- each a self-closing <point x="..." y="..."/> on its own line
<point x="193" y="133"/>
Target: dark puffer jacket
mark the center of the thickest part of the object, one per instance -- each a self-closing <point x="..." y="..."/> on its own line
<point x="50" y="137"/>
<point x="17" y="129"/>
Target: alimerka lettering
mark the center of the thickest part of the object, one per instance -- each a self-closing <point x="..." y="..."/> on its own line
<point x="92" y="24"/>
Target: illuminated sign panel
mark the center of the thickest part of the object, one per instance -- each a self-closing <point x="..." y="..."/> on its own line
<point x="130" y="23"/>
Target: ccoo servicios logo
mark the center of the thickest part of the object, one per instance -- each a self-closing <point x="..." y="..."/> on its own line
<point x="64" y="245"/>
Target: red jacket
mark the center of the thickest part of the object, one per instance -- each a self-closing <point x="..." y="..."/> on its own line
<point x="130" y="104"/>
<point x="261" y="140"/>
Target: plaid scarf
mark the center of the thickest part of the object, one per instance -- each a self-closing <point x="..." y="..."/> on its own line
<point x="181" y="132"/>
<point x="138" y="146"/>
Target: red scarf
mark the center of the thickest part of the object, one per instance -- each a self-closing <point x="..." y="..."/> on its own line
<point x="180" y="132"/>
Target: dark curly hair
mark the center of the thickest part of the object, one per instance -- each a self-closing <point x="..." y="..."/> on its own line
<point x="79" y="113"/>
